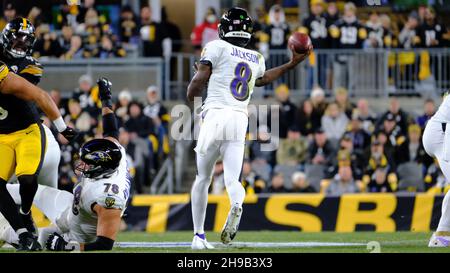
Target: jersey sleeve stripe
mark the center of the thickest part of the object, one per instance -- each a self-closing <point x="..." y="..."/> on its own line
<point x="33" y="70"/>
<point x="3" y="72"/>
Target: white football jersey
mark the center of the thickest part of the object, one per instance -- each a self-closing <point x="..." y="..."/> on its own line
<point x="111" y="192"/>
<point x="443" y="113"/>
<point x="234" y="72"/>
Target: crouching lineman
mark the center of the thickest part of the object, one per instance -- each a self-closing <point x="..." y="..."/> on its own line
<point x="436" y="141"/>
<point x="89" y="219"/>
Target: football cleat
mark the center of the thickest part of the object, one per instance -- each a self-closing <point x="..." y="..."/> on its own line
<point x="28" y="242"/>
<point x="29" y="223"/>
<point x="439" y="241"/>
<point x="200" y="243"/>
<point x="231" y="225"/>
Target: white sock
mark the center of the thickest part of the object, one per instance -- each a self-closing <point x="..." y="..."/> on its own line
<point x="444" y="222"/>
<point x="199" y="201"/>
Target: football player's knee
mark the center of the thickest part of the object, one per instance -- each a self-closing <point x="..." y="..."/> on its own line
<point x="28" y="179"/>
<point x="203" y="179"/>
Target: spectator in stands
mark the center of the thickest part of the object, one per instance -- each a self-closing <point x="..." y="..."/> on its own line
<point x="315" y="25"/>
<point x="128" y="26"/>
<point x="411" y="150"/>
<point x="356" y="156"/>
<point x="321" y="151"/>
<point x="9" y="13"/>
<point x="75" y="50"/>
<point x="206" y="31"/>
<point x="277" y="184"/>
<point x="79" y="118"/>
<point x="342" y="100"/>
<point x="277" y="30"/>
<point x="92" y="29"/>
<point x="407" y="36"/>
<point x="395" y="112"/>
<point x="121" y="109"/>
<point x="152" y="34"/>
<point x="319" y="105"/>
<point x="429" y="108"/>
<point x="293" y="149"/>
<point x="251" y="182"/>
<point x="366" y="116"/>
<point x="262" y="159"/>
<point x="83" y="8"/>
<point x="348" y="32"/>
<point x="300" y="183"/>
<point x="138" y="123"/>
<point x="46" y="44"/>
<point x="259" y="25"/>
<point x="375" y="31"/>
<point x="65" y="38"/>
<point x="359" y="137"/>
<point x="377" y="159"/>
<point x="108" y="50"/>
<point x="430" y="33"/>
<point x="35" y="16"/>
<point x="87" y="95"/>
<point x="173" y="31"/>
<point x="138" y="150"/>
<point x="334" y="123"/>
<point x="55" y="94"/>
<point x="343" y="182"/>
<point x="434" y="177"/>
<point x="379" y="181"/>
<point x="304" y="119"/>
<point x="287" y="109"/>
<point x="332" y="14"/>
<point x="155" y="109"/>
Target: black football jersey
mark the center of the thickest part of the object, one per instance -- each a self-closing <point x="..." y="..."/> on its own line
<point x="348" y="35"/>
<point x="317" y="29"/>
<point x="17" y="114"/>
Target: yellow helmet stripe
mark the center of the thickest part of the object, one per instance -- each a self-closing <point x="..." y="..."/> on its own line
<point x="24" y="24"/>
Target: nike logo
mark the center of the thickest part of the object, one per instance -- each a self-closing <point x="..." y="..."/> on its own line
<point x="29" y="132"/>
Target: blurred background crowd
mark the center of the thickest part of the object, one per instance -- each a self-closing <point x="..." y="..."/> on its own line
<point x="329" y="142"/>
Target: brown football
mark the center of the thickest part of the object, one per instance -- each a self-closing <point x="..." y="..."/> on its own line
<point x="300" y="41"/>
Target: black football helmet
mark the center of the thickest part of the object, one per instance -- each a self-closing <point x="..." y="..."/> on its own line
<point x="98" y="158"/>
<point x="236" y="27"/>
<point x="18" y="38"/>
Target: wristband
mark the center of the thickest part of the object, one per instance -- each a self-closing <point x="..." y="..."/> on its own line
<point x="60" y="124"/>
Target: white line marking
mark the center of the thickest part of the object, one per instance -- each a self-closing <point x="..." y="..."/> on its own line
<point x="235" y="244"/>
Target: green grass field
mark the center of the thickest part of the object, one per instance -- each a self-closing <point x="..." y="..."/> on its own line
<point x="399" y="242"/>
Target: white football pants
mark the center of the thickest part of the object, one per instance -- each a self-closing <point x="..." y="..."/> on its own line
<point x="222" y="134"/>
<point x="434" y="141"/>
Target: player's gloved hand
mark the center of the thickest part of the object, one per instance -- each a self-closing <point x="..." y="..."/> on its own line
<point x="104" y="88"/>
<point x="56" y="242"/>
<point x="70" y="134"/>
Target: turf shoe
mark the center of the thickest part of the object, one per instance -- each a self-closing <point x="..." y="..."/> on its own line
<point x="28" y="242"/>
<point x="200" y="242"/>
<point x="232" y="224"/>
<point x="439" y="241"/>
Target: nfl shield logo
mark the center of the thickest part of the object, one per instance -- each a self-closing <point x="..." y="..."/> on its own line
<point x="109" y="202"/>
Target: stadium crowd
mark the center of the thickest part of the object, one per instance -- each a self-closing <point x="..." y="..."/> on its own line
<point x="87" y="30"/>
<point x="334" y="146"/>
<point x="143" y="130"/>
<point x="327" y="143"/>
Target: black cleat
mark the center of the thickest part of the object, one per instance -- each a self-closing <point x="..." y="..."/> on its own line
<point x="29" y="223"/>
<point x="28" y="242"/>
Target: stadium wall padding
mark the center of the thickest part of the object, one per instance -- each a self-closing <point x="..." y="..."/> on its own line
<point x="290" y="212"/>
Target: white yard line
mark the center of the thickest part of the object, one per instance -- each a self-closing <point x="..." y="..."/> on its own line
<point x="234" y="245"/>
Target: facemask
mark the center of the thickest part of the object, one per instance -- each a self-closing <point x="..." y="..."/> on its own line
<point x="211" y="18"/>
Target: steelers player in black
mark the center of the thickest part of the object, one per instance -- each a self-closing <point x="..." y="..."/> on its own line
<point x="22" y="138"/>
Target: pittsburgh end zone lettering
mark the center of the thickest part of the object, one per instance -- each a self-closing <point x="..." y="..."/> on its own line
<point x="307" y="212"/>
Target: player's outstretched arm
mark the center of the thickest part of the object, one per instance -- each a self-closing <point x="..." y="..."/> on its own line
<point x="21" y="88"/>
<point x="199" y="81"/>
<point x="110" y="127"/>
<point x="276" y="72"/>
<point x="108" y="225"/>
